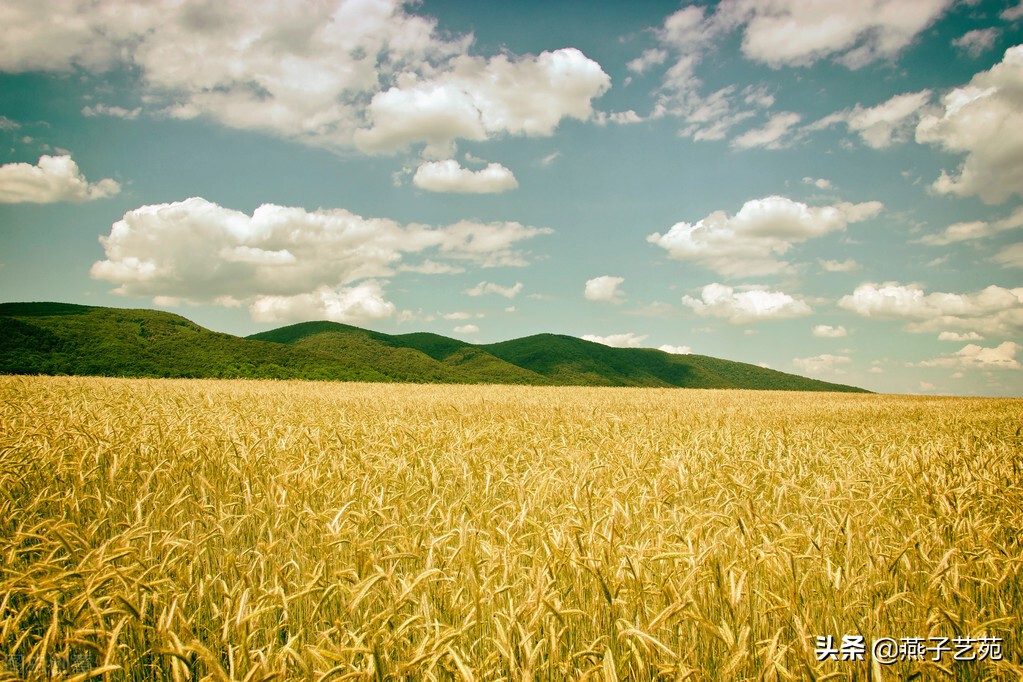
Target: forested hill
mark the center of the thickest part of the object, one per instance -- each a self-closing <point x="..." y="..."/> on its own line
<point x="63" y="338"/>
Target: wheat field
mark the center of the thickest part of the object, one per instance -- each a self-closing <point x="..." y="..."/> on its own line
<point x="251" y="530"/>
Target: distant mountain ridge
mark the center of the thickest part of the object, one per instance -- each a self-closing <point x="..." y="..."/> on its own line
<point x="65" y="338"/>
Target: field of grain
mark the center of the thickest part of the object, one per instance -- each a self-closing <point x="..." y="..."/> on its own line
<point x="175" y="530"/>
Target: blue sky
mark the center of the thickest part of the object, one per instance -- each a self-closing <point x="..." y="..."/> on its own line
<point x="831" y="189"/>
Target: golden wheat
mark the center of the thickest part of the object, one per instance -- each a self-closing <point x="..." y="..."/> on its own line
<point x="185" y="530"/>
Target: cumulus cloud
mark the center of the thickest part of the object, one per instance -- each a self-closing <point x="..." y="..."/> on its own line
<point x="466" y="329"/>
<point x="976" y="42"/>
<point x="823" y="364"/>
<point x="53" y="179"/>
<point x="352" y="305"/>
<point x="478" y="98"/>
<point x="984" y="121"/>
<point x="285" y="261"/>
<point x="847" y="265"/>
<point x="796" y="33"/>
<point x="675" y="350"/>
<point x="774" y="135"/>
<point x="604" y="288"/>
<point x="975" y="229"/>
<point x="618" y="117"/>
<point x="826" y="331"/>
<point x="484" y="288"/>
<point x="449" y="176"/>
<point x="956" y="336"/>
<point x="743" y="307"/>
<point x="324" y="75"/>
<point x="749" y="243"/>
<point x="627" y="340"/>
<point x="994" y="311"/>
<point x="819" y="183"/>
<point x="883" y="125"/>
<point x="115" y="111"/>
<point x="1002" y="356"/>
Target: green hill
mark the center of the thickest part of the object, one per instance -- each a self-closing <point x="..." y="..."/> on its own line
<point x="568" y="360"/>
<point x="62" y="338"/>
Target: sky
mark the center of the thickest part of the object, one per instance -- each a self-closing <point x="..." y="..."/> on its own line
<point x="831" y="189"/>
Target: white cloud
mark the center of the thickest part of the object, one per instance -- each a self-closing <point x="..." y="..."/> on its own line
<point x="883" y="125"/>
<point x="649" y="58"/>
<point x="1010" y="256"/>
<point x="627" y="340"/>
<point x="778" y="33"/>
<point x="449" y="176"/>
<point x="826" y="331"/>
<point x="1013" y="13"/>
<point x="550" y="158"/>
<point x="742" y="307"/>
<point x="847" y="265"/>
<point x="318" y="75"/>
<point x="984" y="121"/>
<point x="466" y="329"/>
<point x="796" y="33"/>
<point x="774" y="135"/>
<point x="256" y="66"/>
<point x="993" y="311"/>
<point x="352" y="305"/>
<point x="487" y="244"/>
<point x="956" y="336"/>
<point x="823" y="364"/>
<point x="484" y="288"/>
<point x="115" y="111"/>
<point x="431" y="267"/>
<point x="686" y="36"/>
<point x="977" y="42"/>
<point x="457" y="316"/>
<point x="604" y="288"/>
<point x="686" y="29"/>
<point x="53" y="179"/>
<point x="748" y="244"/>
<point x="819" y="183"/>
<point x="1002" y="356"/>
<point x="675" y="350"/>
<point x="479" y="98"/>
<point x="976" y="229"/>
<point x="618" y="117"/>
<point x="198" y="251"/>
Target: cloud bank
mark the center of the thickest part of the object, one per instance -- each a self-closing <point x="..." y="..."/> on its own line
<point x="286" y="262"/>
<point x="329" y="74"/>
